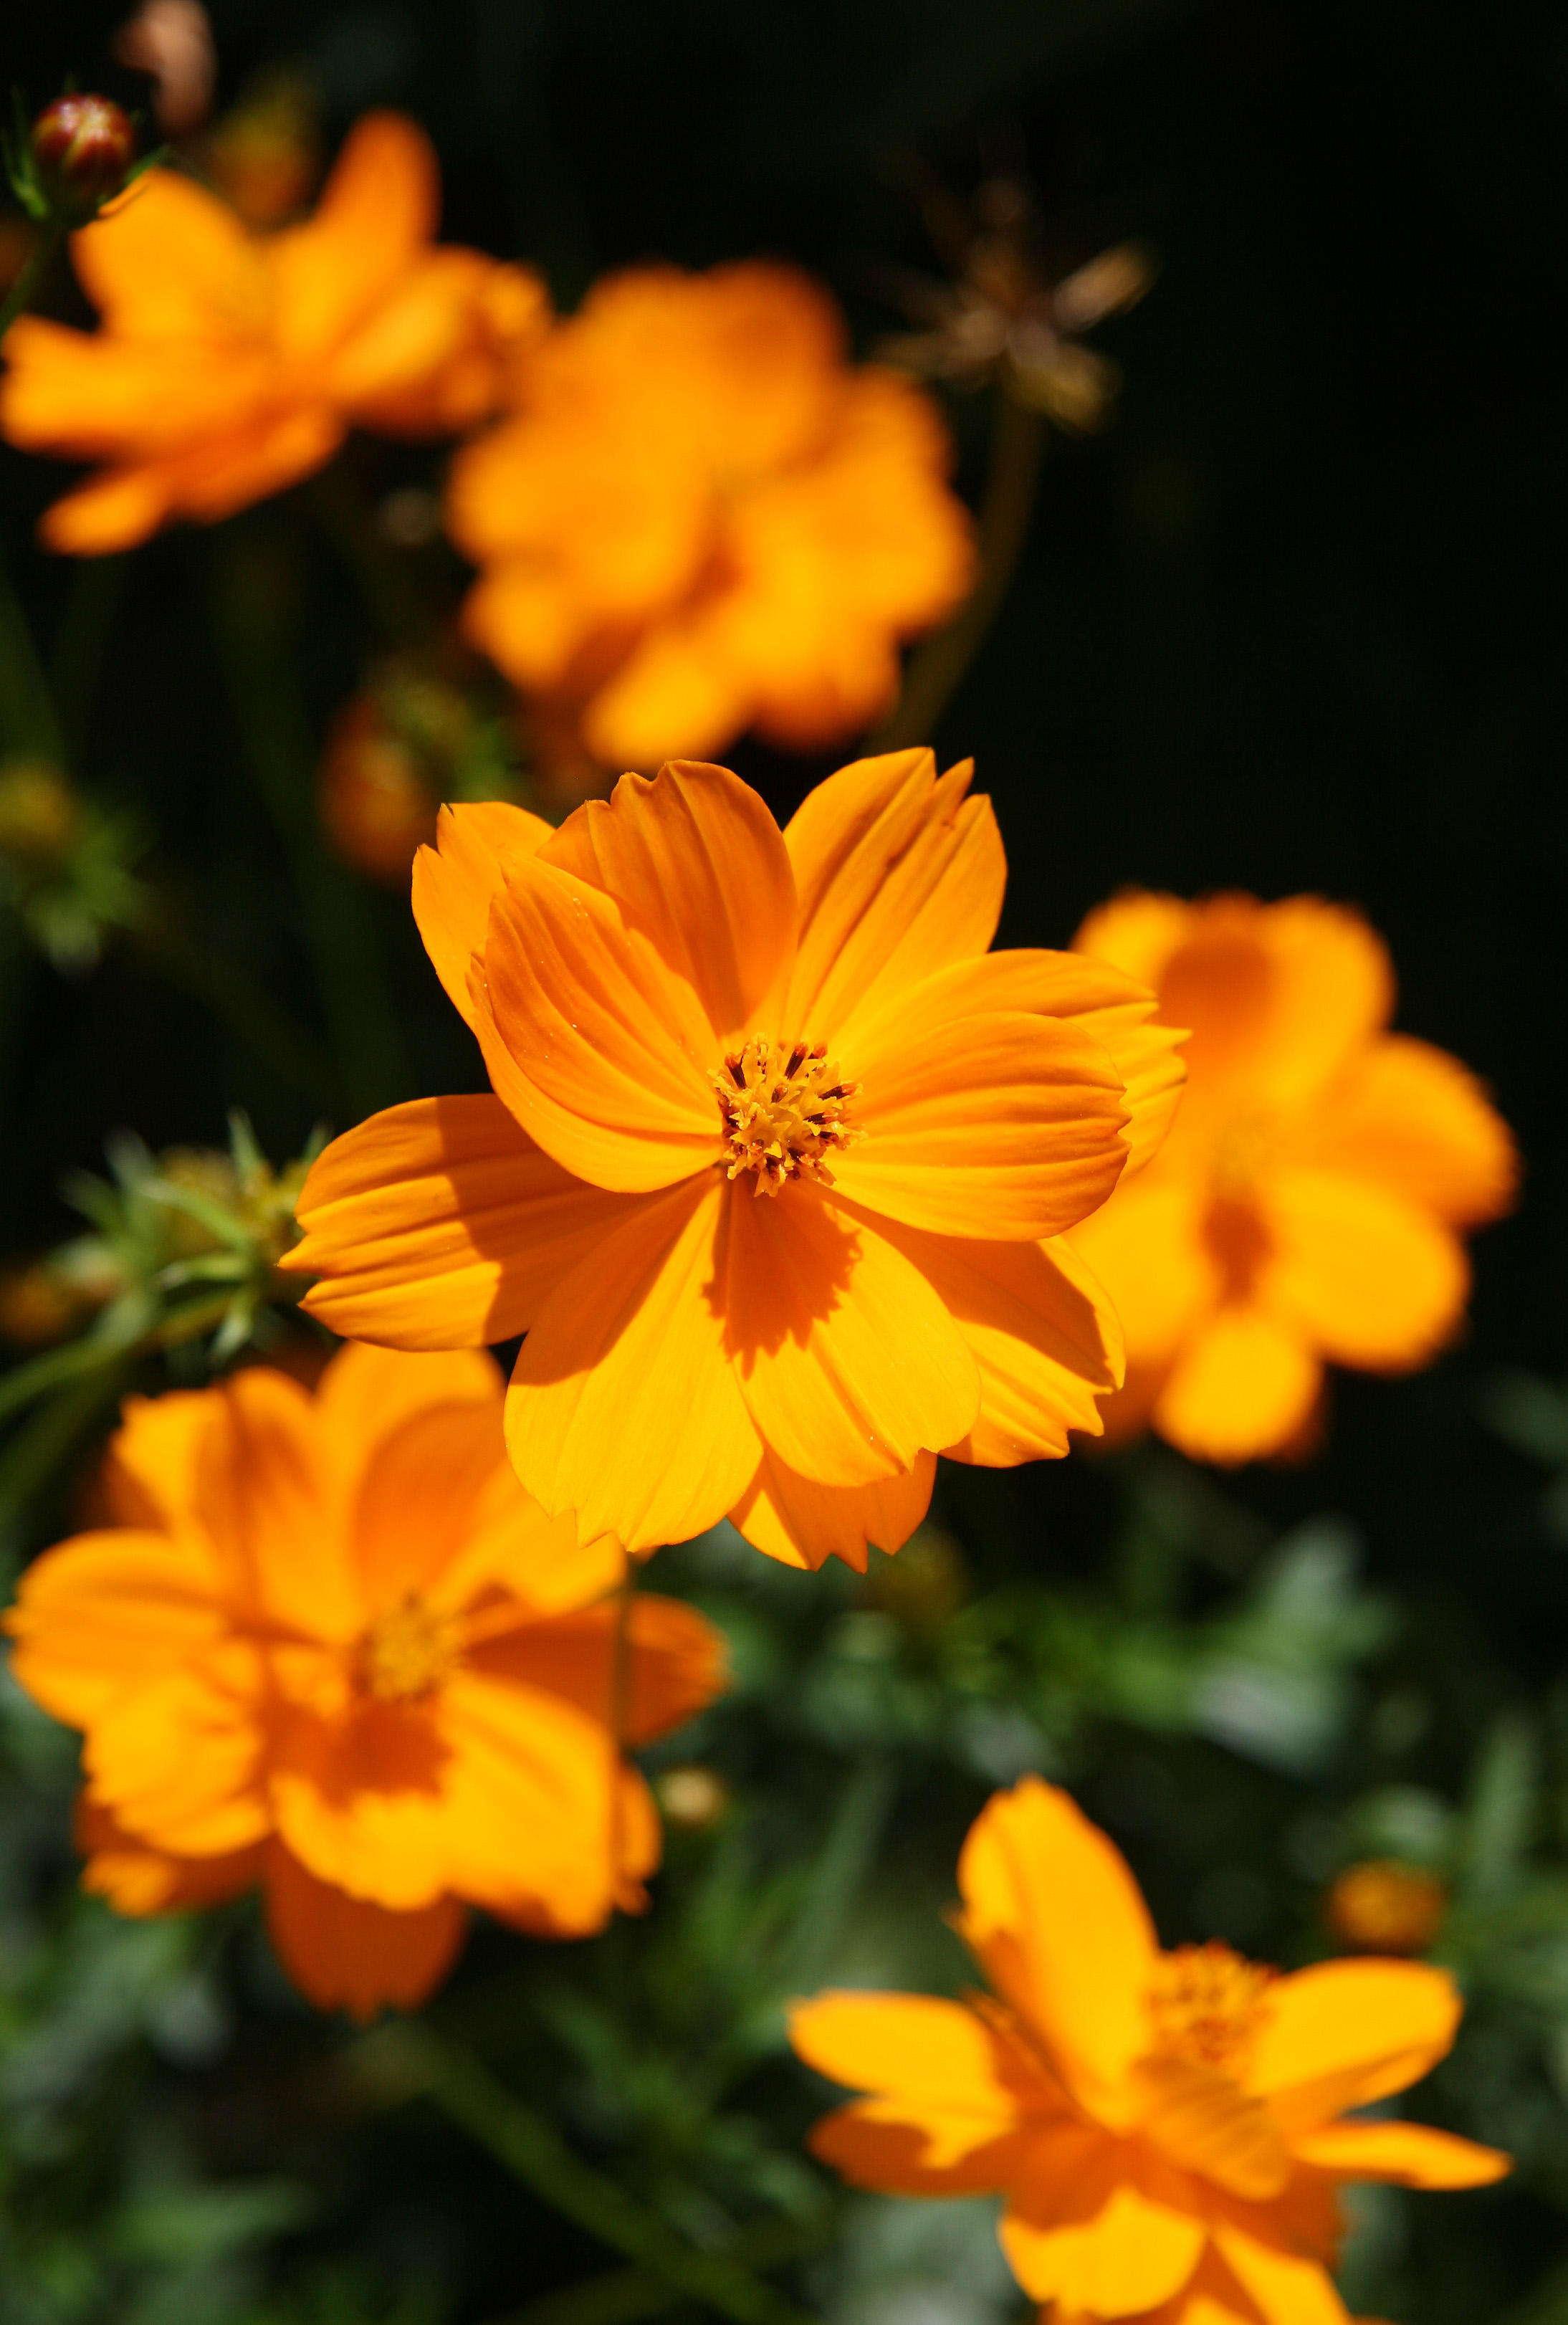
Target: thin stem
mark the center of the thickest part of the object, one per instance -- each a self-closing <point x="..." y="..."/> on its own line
<point x="35" y="267"/>
<point x="239" y="1001"/>
<point x="624" y="2295"/>
<point x="412" y="2059"/>
<point x="341" y="937"/>
<point x="1006" y="506"/>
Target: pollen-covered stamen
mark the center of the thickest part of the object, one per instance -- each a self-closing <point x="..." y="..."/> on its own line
<point x="782" y="1120"/>
<point x="406" y="1653"/>
<point x="1208" y="2004"/>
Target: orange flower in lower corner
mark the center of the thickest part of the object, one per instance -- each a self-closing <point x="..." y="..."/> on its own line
<point x="777" y="1163"/>
<point x="1307" y="1206"/>
<point x="1169" y="2129"/>
<point x="700" y="518"/>
<point x="231" y="363"/>
<point x="332" y="1647"/>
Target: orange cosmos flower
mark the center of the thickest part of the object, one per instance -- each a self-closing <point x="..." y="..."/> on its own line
<point x="699" y="518"/>
<point x="1306" y="1206"/>
<point x="332" y="1646"/>
<point x="1167" y="2129"/>
<point x="231" y="363"/>
<point x="777" y="1163"/>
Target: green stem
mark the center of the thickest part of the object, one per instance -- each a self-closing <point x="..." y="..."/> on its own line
<point x="366" y="1036"/>
<point x="624" y="2295"/>
<point x="239" y="1003"/>
<point x="40" y="258"/>
<point x="396" y="605"/>
<point x="1006" y="506"/>
<point x="414" y="2060"/>
<point x="27" y="721"/>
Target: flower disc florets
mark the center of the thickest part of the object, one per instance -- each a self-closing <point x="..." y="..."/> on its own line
<point x="1208" y="2004"/>
<point x="781" y="1122"/>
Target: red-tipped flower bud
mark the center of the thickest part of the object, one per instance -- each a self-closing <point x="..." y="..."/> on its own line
<point x="83" y="147"/>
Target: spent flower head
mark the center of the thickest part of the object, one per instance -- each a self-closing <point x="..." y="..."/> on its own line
<point x="1000" y="316"/>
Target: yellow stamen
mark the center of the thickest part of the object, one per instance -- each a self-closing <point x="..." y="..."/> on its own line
<point x="406" y="1653"/>
<point x="1209" y="2005"/>
<point x="783" y="1121"/>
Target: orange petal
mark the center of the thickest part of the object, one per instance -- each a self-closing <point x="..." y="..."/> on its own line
<point x="802" y="1522"/>
<point x="119" y="508"/>
<point x="1287" y="2289"/>
<point x="153" y="1458"/>
<point x="1203" y="2123"/>
<point x="413" y="1512"/>
<point x="100" y="396"/>
<point x="441" y="1224"/>
<point x="1052" y="1911"/>
<point x="1147" y="1246"/>
<point x="980" y="1120"/>
<point x="1345" y="2032"/>
<point x="600" y="1052"/>
<point x="514" y="1546"/>
<point x="697" y="864"/>
<point x="273" y="1499"/>
<point x="137" y="1878"/>
<point x="363" y="1799"/>
<point x="1118" y="1014"/>
<point x="1363" y="1275"/>
<point x="178" y="1761"/>
<point x="939" y="2056"/>
<point x="1042" y="1331"/>
<point x="677" y="689"/>
<point x="900" y="2149"/>
<point x="104" y="1615"/>
<point x="1137" y="932"/>
<point x="344" y="1954"/>
<point x="849" y="1364"/>
<point x="367" y="1395"/>
<point x="1412" y="1119"/>
<point x="1241" y="1388"/>
<point x="377" y="212"/>
<point x="1131" y="2256"/>
<point x="675" y="1668"/>
<point x="529" y="1814"/>
<point x="173" y="263"/>
<point x="1410" y="2153"/>
<point x="898" y="873"/>
<point x="625" y="1406"/>
<point x="455" y="880"/>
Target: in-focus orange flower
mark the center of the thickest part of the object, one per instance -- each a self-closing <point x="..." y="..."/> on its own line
<point x="332" y="1646"/>
<point x="230" y="363"/>
<point x="699" y="518"/>
<point x="1306" y="1206"/>
<point x="777" y="1163"/>
<point x="1167" y="2127"/>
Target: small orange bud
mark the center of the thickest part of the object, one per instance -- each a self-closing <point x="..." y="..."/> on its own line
<point x="1383" y="1907"/>
<point x="378" y="803"/>
<point x="83" y="147"/>
<point x="36" y="1308"/>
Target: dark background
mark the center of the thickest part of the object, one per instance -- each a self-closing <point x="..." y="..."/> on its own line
<point x="1294" y="622"/>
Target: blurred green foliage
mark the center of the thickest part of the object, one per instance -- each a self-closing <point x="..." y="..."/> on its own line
<point x="1295" y="622"/>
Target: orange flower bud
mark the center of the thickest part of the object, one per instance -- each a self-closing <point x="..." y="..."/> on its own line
<point x="40" y="814"/>
<point x="1383" y="1907"/>
<point x="83" y="147"/>
<point x="376" y="802"/>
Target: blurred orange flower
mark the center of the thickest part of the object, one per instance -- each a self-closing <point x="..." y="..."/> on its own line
<point x="230" y="363"/>
<point x="1306" y="1205"/>
<point x="699" y="518"/>
<point x="332" y="1646"/>
<point x="684" y="1009"/>
<point x="1167" y="2129"/>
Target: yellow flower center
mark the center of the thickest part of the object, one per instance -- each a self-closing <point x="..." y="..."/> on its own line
<point x="406" y="1653"/>
<point x="1209" y="2005"/>
<point x="783" y="1119"/>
